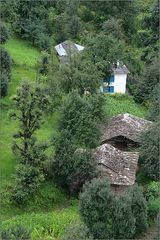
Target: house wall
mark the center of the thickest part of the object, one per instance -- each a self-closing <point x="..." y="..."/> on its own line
<point x="116" y="85"/>
<point x="120" y="83"/>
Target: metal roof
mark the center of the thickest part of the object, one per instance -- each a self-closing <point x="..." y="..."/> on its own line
<point x="63" y="48"/>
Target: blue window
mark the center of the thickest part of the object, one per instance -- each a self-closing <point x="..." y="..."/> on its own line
<point x="105" y="89"/>
<point x="104" y="80"/>
<point x="112" y="79"/>
<point x="111" y="89"/>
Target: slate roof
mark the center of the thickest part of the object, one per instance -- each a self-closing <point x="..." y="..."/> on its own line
<point x="119" y="166"/>
<point x="125" y="125"/>
<point x="120" y="70"/>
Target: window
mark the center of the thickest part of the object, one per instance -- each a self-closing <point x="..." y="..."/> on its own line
<point x="112" y="79"/>
<point x="105" y="89"/>
<point x="111" y="89"/>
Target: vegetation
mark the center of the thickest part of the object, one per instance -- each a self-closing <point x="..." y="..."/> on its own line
<point x="108" y="216"/>
<point x="149" y="153"/>
<point x="58" y="112"/>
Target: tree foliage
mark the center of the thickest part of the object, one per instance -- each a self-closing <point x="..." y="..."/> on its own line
<point x="4" y="36"/>
<point x="110" y="216"/>
<point x="123" y="220"/>
<point x="147" y="81"/>
<point x="81" y="124"/>
<point x="139" y="208"/>
<point x="104" y="51"/>
<point x="5" y="75"/>
<point x="80" y="74"/>
<point x="149" y="152"/>
<point x="30" y="103"/>
<point x="96" y="208"/>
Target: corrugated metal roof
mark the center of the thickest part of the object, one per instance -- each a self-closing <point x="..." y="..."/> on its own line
<point x="60" y="50"/>
<point x="65" y="46"/>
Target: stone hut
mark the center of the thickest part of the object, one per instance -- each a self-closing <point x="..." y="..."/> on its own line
<point x="123" y="131"/>
<point x="119" y="166"/>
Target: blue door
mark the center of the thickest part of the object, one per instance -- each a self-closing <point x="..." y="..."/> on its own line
<point x="111" y="89"/>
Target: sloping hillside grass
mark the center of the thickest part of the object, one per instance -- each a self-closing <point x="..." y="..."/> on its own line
<point x="24" y="58"/>
<point x="45" y="226"/>
<point x="22" y="52"/>
<point x="122" y="103"/>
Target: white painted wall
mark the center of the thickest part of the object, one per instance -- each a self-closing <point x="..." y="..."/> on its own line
<point x="120" y="83"/>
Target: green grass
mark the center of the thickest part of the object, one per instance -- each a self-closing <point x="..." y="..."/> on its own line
<point x="22" y="53"/>
<point x="24" y="57"/>
<point x="45" y="225"/>
<point x="121" y="103"/>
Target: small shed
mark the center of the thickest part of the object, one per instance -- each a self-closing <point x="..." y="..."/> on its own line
<point x="119" y="166"/>
<point x="65" y="48"/>
<point x="123" y="131"/>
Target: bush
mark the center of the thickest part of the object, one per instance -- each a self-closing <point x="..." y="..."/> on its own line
<point x="42" y="41"/>
<point x="16" y="233"/>
<point x="5" y="61"/>
<point x="96" y="208"/>
<point x="4" y="35"/>
<point x="123" y="220"/>
<point x="84" y="169"/>
<point x="139" y="208"/>
<point x="77" y="232"/>
<point x="28" y="180"/>
<point x="109" y="216"/>
<point x="149" y="154"/>
<point x="71" y="169"/>
<point x="3" y="84"/>
<point x="153" y="198"/>
<point x="5" y="75"/>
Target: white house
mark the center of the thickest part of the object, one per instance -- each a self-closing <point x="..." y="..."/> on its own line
<point x="117" y="81"/>
<point x="65" y="48"/>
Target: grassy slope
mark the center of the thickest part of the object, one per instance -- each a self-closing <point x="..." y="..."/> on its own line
<point x="50" y="197"/>
<point x="24" y="58"/>
<point x="117" y="104"/>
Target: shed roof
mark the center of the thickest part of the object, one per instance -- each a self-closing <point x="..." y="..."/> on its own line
<point x="119" y="166"/>
<point x="67" y="46"/>
<point x="125" y="125"/>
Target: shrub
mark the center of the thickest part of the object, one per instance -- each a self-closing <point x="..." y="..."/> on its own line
<point x="16" y="233"/>
<point x="5" y="61"/>
<point x="77" y="232"/>
<point x="153" y="199"/>
<point x="5" y="74"/>
<point x="28" y="180"/>
<point x="96" y="208"/>
<point x="3" y="84"/>
<point x="4" y="35"/>
<point x="149" y="154"/>
<point x="123" y="220"/>
<point x="71" y="169"/>
<point x="84" y="169"/>
<point x="139" y="208"/>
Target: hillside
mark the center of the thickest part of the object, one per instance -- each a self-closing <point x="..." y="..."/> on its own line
<point x="24" y="61"/>
<point x="57" y="181"/>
